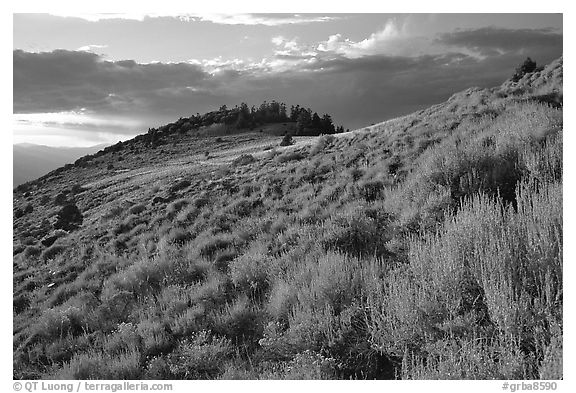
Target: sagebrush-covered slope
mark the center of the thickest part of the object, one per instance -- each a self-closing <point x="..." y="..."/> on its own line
<point x="428" y="246"/>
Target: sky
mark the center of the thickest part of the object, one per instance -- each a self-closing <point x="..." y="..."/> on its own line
<point x="85" y="79"/>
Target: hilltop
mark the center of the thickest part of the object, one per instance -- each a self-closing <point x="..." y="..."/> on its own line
<point x="268" y="119"/>
<point x="427" y="246"/>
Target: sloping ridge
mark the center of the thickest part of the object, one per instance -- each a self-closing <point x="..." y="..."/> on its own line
<point x="427" y="246"/>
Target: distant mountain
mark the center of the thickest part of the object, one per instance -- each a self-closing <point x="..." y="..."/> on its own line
<point x="32" y="161"/>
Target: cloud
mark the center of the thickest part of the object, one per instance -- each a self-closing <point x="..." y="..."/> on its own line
<point x="291" y="45"/>
<point x="262" y="19"/>
<point x="334" y="44"/>
<point x="77" y="120"/>
<point x="225" y="19"/>
<point x="97" y="17"/>
<point x="90" y="48"/>
<point x="377" y="63"/>
<point x="396" y="39"/>
<point x="357" y="82"/>
<point x="290" y="53"/>
<point x="388" y="33"/>
<point x="490" y="41"/>
<point x="73" y="128"/>
<point x="67" y="80"/>
<point x="393" y="39"/>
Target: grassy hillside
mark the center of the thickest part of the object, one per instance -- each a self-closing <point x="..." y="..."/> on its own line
<point x="32" y="161"/>
<point x="429" y="246"/>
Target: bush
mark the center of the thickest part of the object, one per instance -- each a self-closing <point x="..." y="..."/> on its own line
<point x="179" y="236"/>
<point x="68" y="218"/>
<point x="158" y="368"/>
<point x="18" y="213"/>
<point x="356" y="233"/>
<point x="212" y="244"/>
<point x="114" y="212"/>
<point x="137" y="209"/>
<point x="203" y="356"/>
<point x="188" y="322"/>
<point x="140" y="280"/>
<point x="20" y="303"/>
<point x="187" y="215"/>
<point x="96" y="365"/>
<point x="323" y="142"/>
<point x="371" y="190"/>
<point x="62" y="350"/>
<point x="244" y="159"/>
<point x="239" y="321"/>
<point x="28" y="240"/>
<point x="478" y="274"/>
<point x="77" y="189"/>
<point x="244" y="207"/>
<point x="60" y="322"/>
<point x="282" y="298"/>
<point x="17" y="249"/>
<point x="180" y="185"/>
<point x="61" y="199"/>
<point x="32" y="252"/>
<point x="22" y="188"/>
<point x="249" y="271"/>
<point x="44" y="200"/>
<point x="290" y="156"/>
<point x="124" y="338"/>
<point x="222" y="258"/>
<point x="52" y="252"/>
<point x="287" y="140"/>
<point x="174" y="207"/>
<point x="50" y="238"/>
<point x="127" y="224"/>
<point x="155" y="339"/>
<point x="310" y="366"/>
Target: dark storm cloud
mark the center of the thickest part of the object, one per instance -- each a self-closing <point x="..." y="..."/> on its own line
<point x="384" y="63"/>
<point x="489" y="41"/>
<point x="362" y="91"/>
<point x="355" y="91"/>
<point x="67" y="80"/>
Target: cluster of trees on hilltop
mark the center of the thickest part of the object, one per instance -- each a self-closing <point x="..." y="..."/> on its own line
<point x="308" y="123"/>
<point x="245" y="117"/>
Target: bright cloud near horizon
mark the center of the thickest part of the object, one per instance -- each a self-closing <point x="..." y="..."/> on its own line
<point x="86" y="79"/>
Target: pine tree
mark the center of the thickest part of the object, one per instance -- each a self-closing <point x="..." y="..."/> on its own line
<point x="316" y="122"/>
<point x="294" y="112"/>
<point x="526" y="67"/>
<point x="303" y="121"/>
<point x="326" y="125"/>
